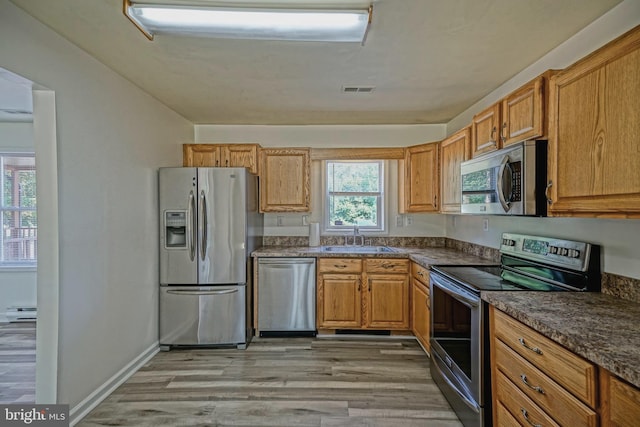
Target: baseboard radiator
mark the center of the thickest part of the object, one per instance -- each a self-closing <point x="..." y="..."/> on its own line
<point x="21" y="314"/>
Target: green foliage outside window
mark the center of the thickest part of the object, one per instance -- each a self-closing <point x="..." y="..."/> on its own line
<point x="354" y="192"/>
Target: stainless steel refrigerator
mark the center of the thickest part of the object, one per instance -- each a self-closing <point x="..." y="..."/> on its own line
<point x="209" y="225"/>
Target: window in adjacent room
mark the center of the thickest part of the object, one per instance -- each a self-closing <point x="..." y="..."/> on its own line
<point x="18" y="240"/>
<point x="354" y="195"/>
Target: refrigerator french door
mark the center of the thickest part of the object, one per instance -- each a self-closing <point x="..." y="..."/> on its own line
<point x="209" y="224"/>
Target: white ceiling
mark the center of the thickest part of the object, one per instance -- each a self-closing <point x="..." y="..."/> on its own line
<point x="429" y="60"/>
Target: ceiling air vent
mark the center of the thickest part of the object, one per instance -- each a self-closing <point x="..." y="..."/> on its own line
<point x="358" y="89"/>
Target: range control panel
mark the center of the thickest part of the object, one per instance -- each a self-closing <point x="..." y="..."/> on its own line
<point x="566" y="253"/>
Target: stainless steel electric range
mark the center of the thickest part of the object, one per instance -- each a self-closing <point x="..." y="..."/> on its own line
<point x="459" y="319"/>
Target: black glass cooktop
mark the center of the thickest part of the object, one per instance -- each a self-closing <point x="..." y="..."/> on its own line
<point x="493" y="278"/>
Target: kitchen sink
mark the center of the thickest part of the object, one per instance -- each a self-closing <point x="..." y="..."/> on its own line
<point x="358" y="249"/>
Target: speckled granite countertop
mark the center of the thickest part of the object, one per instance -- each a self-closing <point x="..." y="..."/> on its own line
<point x="599" y="327"/>
<point x="423" y="256"/>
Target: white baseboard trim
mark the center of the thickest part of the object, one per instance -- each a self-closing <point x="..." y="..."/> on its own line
<point x="78" y="412"/>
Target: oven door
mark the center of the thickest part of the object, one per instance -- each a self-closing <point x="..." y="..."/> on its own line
<point x="457" y="346"/>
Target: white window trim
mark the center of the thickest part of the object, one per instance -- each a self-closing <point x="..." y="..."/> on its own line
<point x="327" y="229"/>
<point x="15" y="266"/>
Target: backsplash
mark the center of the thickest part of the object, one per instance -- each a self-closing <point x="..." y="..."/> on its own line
<point x="619" y="286"/>
<point x="474" y="249"/>
<point x="403" y="242"/>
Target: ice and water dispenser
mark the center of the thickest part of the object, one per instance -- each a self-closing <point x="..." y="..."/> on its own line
<point x="175" y="229"/>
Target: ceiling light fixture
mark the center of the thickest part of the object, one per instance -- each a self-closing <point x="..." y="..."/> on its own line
<point x="325" y="25"/>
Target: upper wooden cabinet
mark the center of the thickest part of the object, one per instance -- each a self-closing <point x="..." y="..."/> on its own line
<point x="594" y="149"/>
<point x="285" y="180"/>
<point x="485" y="131"/>
<point x="453" y="151"/>
<point x="519" y="116"/>
<point x="420" y="179"/>
<point x="522" y="113"/>
<point x="221" y="155"/>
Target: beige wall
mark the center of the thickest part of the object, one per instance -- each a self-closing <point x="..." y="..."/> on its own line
<point x="621" y="253"/>
<point x="330" y="137"/>
<point x="111" y="139"/>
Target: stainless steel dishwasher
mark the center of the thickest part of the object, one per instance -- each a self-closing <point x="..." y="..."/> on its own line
<point x="286" y="296"/>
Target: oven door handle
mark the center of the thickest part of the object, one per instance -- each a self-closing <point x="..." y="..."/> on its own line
<point x="454" y="292"/>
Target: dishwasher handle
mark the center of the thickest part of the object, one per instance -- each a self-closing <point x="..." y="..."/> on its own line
<point x="274" y="262"/>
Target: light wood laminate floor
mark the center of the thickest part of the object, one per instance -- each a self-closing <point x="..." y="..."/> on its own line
<point x="281" y="382"/>
<point x="18" y="362"/>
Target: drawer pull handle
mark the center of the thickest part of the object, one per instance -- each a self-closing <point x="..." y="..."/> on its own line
<point x="539" y="389"/>
<point x="387" y="265"/>
<point x="339" y="266"/>
<point x="525" y="414"/>
<point x="534" y="349"/>
<point x="420" y="273"/>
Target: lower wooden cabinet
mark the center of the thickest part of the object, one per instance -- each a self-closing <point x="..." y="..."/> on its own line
<point x="363" y="294"/>
<point x="538" y="381"/>
<point x="420" y="305"/>
<point x="619" y="401"/>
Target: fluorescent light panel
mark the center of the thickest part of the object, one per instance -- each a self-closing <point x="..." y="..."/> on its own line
<point x="251" y="23"/>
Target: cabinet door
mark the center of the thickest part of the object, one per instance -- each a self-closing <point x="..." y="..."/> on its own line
<point x="240" y="156"/>
<point x="485" y="131"/>
<point x="620" y="401"/>
<point x="285" y="181"/>
<point x="420" y="310"/>
<point x="594" y="149"/>
<point x="422" y="178"/>
<point x="523" y="113"/>
<point x="453" y="151"/>
<point x="201" y="155"/>
<point x="339" y="301"/>
<point x="387" y="301"/>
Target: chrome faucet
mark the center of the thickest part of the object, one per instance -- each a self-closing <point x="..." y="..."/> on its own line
<point x="356" y="234"/>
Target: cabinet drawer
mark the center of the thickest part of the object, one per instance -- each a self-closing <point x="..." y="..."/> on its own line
<point x="339" y="265"/>
<point x="513" y="408"/>
<point x="569" y="370"/>
<point x="420" y="273"/>
<point x="542" y="390"/>
<point x="386" y="265"/>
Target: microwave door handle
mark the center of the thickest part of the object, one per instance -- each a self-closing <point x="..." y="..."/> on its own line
<point x="504" y="201"/>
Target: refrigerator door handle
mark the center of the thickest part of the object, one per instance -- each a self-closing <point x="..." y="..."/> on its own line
<point x="191" y="233"/>
<point x="221" y="292"/>
<point x="203" y="229"/>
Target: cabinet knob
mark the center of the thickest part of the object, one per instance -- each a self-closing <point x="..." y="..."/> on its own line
<point x="492" y="138"/>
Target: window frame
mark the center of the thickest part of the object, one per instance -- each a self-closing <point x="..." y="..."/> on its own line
<point x="381" y="195"/>
<point x="24" y="264"/>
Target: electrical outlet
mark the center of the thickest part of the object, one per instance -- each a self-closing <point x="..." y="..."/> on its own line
<point x="280" y="219"/>
<point x="409" y="220"/>
<point x="399" y="221"/>
<point x="305" y="219"/>
<point x="454" y="220"/>
<point x="485" y="224"/>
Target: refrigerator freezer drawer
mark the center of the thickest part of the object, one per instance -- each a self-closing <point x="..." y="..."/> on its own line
<point x="203" y="315"/>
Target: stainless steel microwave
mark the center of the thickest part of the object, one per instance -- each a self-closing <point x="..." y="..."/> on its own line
<point x="510" y="181"/>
